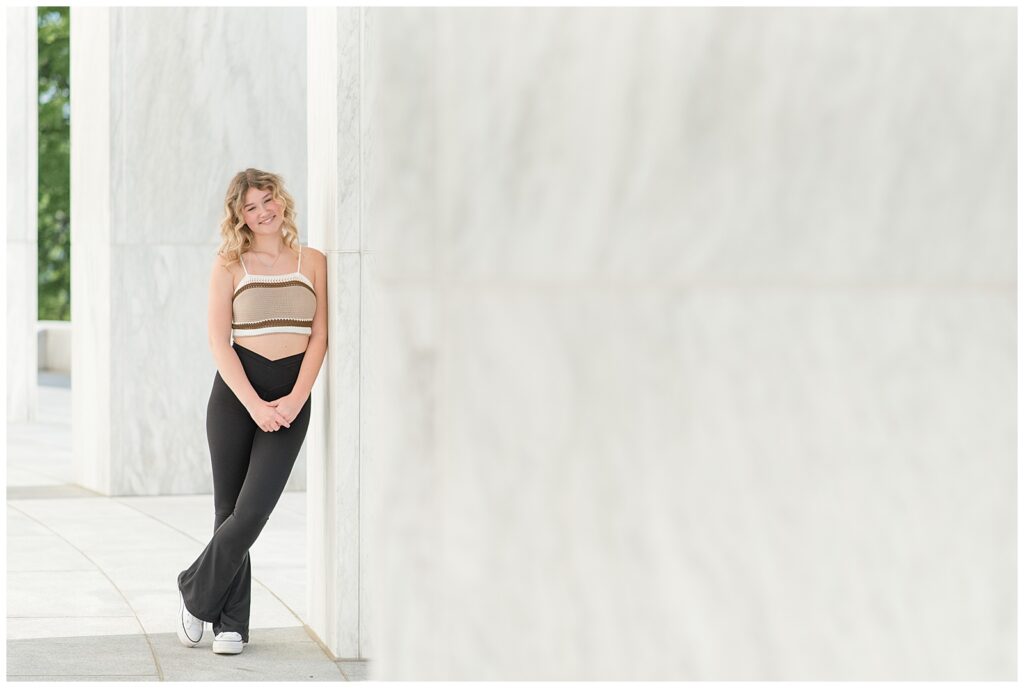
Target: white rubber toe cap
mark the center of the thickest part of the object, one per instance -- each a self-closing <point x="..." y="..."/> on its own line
<point x="190" y="629"/>
<point x="227" y="643"/>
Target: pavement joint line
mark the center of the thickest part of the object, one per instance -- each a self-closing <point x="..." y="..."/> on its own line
<point x="309" y="631"/>
<point x="323" y="646"/>
<point x="84" y="616"/>
<point x="82" y="675"/>
<point x="77" y="486"/>
<point x="149" y="641"/>
<point x="122" y="501"/>
<point x="43" y="571"/>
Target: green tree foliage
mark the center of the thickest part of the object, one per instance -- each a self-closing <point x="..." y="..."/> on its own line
<point x="54" y="164"/>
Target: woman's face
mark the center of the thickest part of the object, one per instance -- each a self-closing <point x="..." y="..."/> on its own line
<point x="261" y="212"/>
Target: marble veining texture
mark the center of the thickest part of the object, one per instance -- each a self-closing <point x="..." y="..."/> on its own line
<point x="694" y="343"/>
<point x="195" y="95"/>
<point x="334" y="488"/>
<point x="669" y="343"/>
<point x="340" y="525"/>
<point x="197" y="81"/>
<point x="691" y="143"/>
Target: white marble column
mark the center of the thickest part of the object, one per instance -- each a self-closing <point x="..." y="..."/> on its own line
<point x="337" y="584"/>
<point x="168" y="104"/>
<point x="694" y="348"/>
<point x="22" y="162"/>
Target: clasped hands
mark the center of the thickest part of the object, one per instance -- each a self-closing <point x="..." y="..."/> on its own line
<point x="271" y="415"/>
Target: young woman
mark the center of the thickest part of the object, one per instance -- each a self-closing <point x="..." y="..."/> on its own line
<point x="269" y="294"/>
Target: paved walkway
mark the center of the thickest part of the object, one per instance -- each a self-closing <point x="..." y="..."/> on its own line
<point x="91" y="580"/>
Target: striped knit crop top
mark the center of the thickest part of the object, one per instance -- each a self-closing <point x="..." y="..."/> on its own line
<point x="263" y="304"/>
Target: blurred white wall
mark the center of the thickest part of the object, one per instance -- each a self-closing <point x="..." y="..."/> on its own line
<point x="169" y="103"/>
<point x="22" y="161"/>
<point x="695" y="336"/>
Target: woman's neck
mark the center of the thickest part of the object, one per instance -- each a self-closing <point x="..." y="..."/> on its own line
<point x="269" y="245"/>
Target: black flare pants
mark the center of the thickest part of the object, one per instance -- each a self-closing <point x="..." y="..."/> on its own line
<point x="250" y="469"/>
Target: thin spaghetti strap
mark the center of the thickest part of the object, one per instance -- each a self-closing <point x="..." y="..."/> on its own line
<point x="243" y="264"/>
<point x="300" y="258"/>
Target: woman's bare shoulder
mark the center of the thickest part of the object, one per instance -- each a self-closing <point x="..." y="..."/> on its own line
<point x="317" y="254"/>
<point x="317" y="261"/>
<point x="225" y="264"/>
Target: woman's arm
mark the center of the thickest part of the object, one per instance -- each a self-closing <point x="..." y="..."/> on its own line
<point x="219" y="328"/>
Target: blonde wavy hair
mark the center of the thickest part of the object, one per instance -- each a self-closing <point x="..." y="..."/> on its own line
<point x="236" y="237"/>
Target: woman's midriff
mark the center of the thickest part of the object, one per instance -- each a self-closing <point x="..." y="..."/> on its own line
<point x="275" y="345"/>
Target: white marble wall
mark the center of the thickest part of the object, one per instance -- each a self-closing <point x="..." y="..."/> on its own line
<point x="170" y="102"/>
<point x="694" y="342"/>
<point x="22" y="205"/>
<point x="336" y="587"/>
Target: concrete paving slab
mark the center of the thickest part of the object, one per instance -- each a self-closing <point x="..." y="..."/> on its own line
<point x="274" y="654"/>
<point x="278" y="554"/>
<point x="288" y="583"/>
<point x="25" y="628"/>
<point x="162" y="570"/>
<point x="63" y="593"/>
<point x="75" y="510"/>
<point x="282" y="540"/>
<point x="189" y="514"/>
<point x="44" y="491"/>
<point x="83" y="678"/>
<point x="106" y="655"/>
<point x="158" y="574"/>
<point x="157" y="606"/>
<point x="19" y="524"/>
<point x="116" y="551"/>
<point x="110" y="542"/>
<point x="354" y="670"/>
<point x="112" y="556"/>
<point x="111" y="559"/>
<point x="280" y="545"/>
<point x="158" y="611"/>
<point x="44" y="553"/>
<point x="268" y="610"/>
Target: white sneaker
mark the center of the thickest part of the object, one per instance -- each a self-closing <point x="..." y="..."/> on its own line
<point x="227" y="643"/>
<point x="190" y="629"/>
